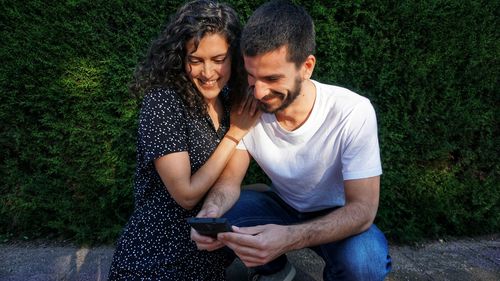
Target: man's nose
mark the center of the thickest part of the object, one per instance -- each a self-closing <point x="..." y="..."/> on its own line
<point x="260" y="90"/>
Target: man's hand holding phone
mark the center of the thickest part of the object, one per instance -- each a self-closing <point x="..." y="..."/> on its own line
<point x="204" y="242"/>
<point x="210" y="226"/>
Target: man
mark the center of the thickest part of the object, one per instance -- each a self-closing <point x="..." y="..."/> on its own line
<point x="318" y="144"/>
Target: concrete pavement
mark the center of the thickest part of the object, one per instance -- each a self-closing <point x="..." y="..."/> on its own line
<point x="457" y="260"/>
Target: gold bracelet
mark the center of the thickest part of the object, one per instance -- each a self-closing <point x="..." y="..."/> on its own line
<point x="232" y="138"/>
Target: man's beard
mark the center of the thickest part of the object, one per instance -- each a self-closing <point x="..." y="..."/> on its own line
<point x="287" y="99"/>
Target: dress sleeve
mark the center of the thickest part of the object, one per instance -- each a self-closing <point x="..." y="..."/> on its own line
<point x="162" y="125"/>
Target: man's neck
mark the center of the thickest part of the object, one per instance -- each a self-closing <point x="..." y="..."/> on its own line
<point x="297" y="113"/>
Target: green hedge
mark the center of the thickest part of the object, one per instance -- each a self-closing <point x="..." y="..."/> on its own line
<point x="68" y="123"/>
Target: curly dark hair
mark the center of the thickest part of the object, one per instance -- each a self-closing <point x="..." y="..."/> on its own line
<point x="163" y="66"/>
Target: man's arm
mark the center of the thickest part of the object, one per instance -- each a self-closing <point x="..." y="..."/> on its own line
<point x="356" y="216"/>
<point x="226" y="189"/>
<point x="267" y="242"/>
<point x="222" y="196"/>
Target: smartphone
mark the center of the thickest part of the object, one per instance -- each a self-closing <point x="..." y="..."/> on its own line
<point x="210" y="226"/>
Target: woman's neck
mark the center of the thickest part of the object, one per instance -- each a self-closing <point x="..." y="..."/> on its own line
<point x="215" y="111"/>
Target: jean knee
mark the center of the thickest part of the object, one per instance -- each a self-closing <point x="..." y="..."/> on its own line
<point x="365" y="266"/>
<point x="260" y="208"/>
<point x="254" y="208"/>
<point x="361" y="257"/>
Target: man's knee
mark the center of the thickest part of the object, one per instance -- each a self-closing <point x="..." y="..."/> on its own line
<point x="362" y="266"/>
<point x="361" y="257"/>
<point x="250" y="208"/>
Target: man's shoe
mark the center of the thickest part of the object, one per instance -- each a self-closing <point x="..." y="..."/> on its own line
<point x="286" y="274"/>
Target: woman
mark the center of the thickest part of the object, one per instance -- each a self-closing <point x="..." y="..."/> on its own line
<point x="184" y="142"/>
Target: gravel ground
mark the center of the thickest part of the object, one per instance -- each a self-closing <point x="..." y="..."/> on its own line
<point x="457" y="260"/>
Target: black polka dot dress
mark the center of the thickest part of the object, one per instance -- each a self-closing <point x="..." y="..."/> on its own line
<point x="155" y="243"/>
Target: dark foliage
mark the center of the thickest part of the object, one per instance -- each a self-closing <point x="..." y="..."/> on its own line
<point x="68" y="122"/>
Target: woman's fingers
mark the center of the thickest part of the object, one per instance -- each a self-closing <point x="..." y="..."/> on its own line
<point x="244" y="103"/>
<point x="253" y="106"/>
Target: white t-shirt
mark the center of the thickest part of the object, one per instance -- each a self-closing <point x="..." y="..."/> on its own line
<point x="337" y="142"/>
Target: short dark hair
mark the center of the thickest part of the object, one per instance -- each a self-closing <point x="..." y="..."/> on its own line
<point x="163" y="66"/>
<point x="276" y="24"/>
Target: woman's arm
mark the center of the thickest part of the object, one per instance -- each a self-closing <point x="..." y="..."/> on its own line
<point x="175" y="170"/>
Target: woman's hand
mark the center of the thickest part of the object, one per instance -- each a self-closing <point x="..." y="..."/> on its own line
<point x="243" y="117"/>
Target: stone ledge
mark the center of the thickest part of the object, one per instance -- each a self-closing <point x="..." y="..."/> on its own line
<point x="471" y="259"/>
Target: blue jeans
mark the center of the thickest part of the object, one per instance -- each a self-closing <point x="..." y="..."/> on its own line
<point x="364" y="256"/>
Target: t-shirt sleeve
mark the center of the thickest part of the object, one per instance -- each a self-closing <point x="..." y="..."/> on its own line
<point x="241" y="145"/>
<point x="162" y="125"/>
<point x="361" y="153"/>
<point x="249" y="138"/>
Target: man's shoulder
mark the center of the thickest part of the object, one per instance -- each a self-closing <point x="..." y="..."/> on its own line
<point x="338" y="97"/>
<point x="332" y="90"/>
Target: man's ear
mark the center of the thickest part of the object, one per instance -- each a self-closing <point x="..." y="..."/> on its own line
<point x="308" y="67"/>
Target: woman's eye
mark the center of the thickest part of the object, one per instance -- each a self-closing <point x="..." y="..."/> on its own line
<point x="220" y="60"/>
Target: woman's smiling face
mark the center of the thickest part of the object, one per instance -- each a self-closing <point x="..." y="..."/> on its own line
<point x="209" y="66"/>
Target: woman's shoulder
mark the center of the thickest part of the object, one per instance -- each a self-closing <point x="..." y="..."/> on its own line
<point x="158" y="96"/>
<point x="161" y="92"/>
